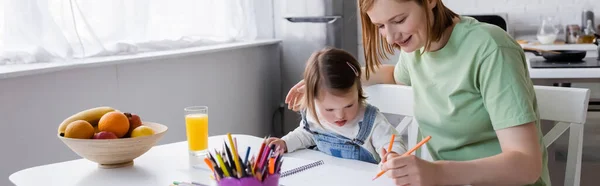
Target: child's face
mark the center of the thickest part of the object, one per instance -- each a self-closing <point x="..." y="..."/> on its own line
<point x="338" y="109"/>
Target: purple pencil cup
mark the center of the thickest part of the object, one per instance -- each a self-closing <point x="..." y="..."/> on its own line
<point x="271" y="180"/>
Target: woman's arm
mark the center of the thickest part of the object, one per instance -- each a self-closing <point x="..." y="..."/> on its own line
<point x="520" y="162"/>
<point x="382" y="75"/>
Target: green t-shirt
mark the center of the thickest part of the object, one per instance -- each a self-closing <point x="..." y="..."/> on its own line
<point x="476" y="84"/>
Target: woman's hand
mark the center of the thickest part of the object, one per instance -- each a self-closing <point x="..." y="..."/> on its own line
<point x="411" y="170"/>
<point x="385" y="155"/>
<point x="294" y="96"/>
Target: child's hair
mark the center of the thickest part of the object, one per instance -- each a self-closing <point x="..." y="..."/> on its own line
<point x="333" y="70"/>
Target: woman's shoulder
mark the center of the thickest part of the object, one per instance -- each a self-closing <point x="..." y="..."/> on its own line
<point x="483" y="34"/>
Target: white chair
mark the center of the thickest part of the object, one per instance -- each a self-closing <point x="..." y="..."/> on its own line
<point x="566" y="106"/>
<point x="398" y="99"/>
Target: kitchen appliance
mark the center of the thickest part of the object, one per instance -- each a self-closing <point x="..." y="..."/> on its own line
<point x="500" y="20"/>
<point x="307" y="26"/>
<point x="589" y="62"/>
<point x="559" y="55"/>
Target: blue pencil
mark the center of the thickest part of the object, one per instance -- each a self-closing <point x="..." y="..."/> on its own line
<point x="247" y="154"/>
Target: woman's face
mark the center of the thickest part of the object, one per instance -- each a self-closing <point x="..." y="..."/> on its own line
<point x="401" y="22"/>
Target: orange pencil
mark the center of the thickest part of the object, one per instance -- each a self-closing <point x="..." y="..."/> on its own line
<point x="271" y="165"/>
<point x="408" y="153"/>
<point x="391" y="143"/>
<point x="207" y="161"/>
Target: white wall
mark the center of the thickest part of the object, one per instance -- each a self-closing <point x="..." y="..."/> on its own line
<point x="240" y="87"/>
<point x="527" y="14"/>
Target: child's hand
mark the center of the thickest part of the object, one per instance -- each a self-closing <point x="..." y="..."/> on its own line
<point x="294" y="96"/>
<point x="279" y="144"/>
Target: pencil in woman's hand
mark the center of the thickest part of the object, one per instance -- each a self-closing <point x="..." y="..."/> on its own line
<point x="408" y="153"/>
<point x="391" y="143"/>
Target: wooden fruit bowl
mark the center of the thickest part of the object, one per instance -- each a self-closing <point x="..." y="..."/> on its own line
<point x="114" y="153"/>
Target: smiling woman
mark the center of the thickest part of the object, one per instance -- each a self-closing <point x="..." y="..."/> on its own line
<point x="473" y="95"/>
<point x="377" y="44"/>
<point x="60" y="30"/>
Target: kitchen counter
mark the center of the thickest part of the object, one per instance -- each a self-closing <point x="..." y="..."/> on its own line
<point x="586" y="47"/>
<point x="565" y="74"/>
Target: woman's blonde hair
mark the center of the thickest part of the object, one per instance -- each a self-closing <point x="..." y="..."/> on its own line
<point x="333" y="70"/>
<point x="377" y="48"/>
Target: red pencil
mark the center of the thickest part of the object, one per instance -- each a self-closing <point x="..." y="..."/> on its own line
<point x="260" y="153"/>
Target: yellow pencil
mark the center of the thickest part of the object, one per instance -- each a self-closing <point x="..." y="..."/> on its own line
<point x="236" y="158"/>
<point x="222" y="165"/>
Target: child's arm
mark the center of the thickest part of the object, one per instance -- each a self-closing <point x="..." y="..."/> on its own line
<point x="298" y="139"/>
<point x="382" y="133"/>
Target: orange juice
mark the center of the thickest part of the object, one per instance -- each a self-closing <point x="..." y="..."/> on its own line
<point x="197" y="131"/>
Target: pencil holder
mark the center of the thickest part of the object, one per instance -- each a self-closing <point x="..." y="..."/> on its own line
<point x="270" y="180"/>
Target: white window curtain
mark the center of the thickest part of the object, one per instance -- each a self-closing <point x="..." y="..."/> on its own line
<point x="60" y="30"/>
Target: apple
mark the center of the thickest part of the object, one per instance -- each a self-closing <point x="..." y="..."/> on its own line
<point x="105" y="135"/>
<point x="134" y="122"/>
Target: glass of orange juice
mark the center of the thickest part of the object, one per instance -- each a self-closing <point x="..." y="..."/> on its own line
<point x="196" y="127"/>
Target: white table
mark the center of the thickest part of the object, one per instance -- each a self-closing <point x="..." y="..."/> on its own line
<point x="164" y="164"/>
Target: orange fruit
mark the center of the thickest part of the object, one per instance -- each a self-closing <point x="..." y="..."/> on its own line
<point x="80" y="129"/>
<point x="115" y="122"/>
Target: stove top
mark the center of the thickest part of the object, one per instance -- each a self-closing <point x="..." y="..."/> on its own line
<point x="588" y="62"/>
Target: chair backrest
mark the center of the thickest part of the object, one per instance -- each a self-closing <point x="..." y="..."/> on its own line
<point x="562" y="104"/>
<point x="567" y="106"/>
<point x="398" y="100"/>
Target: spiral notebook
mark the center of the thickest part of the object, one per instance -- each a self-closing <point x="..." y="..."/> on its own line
<point x="301" y="168"/>
<point x="295" y="171"/>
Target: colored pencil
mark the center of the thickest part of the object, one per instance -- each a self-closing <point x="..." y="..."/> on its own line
<point x="408" y="153"/>
<point x="229" y="163"/>
<point x="235" y="157"/>
<point x="223" y="167"/>
<point x="209" y="164"/>
<point x="391" y="143"/>
<point x="229" y="157"/>
<point x="247" y="154"/>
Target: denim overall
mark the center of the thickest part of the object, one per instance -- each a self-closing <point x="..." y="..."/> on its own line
<point x="342" y="147"/>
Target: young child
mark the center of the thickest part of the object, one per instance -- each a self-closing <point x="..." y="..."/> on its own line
<point x="335" y="117"/>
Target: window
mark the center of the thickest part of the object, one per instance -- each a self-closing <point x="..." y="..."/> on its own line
<point x="59" y="30"/>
